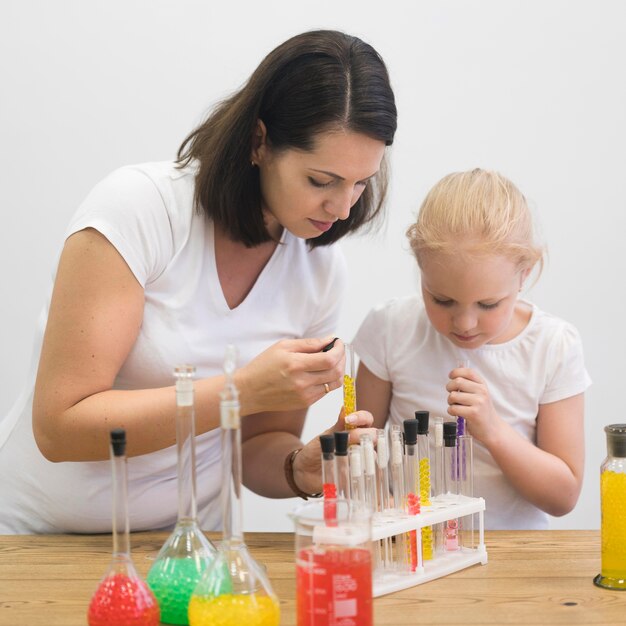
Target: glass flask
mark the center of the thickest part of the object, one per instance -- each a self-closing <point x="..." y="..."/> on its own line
<point x="333" y="565"/>
<point x="122" y="598"/>
<point x="234" y="590"/>
<point x="613" y="503"/>
<point x="187" y="552"/>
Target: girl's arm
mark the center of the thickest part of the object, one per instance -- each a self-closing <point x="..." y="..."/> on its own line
<point x="548" y="474"/>
<point x="95" y="316"/>
<point x="373" y="394"/>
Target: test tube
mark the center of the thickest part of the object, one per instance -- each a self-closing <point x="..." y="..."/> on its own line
<point x="423" y="450"/>
<point x="460" y="421"/>
<point x="357" y="484"/>
<point x="450" y="484"/>
<point x="401" y="561"/>
<point x="465" y="452"/>
<point x="438" y="479"/>
<point x="369" y="471"/>
<point x="349" y="388"/>
<point x="397" y="471"/>
<point x="382" y="469"/>
<point x="437" y="475"/>
<point x="329" y="478"/>
<point x="411" y="469"/>
<point x="382" y="481"/>
<point x="369" y="480"/>
<point x="342" y="465"/>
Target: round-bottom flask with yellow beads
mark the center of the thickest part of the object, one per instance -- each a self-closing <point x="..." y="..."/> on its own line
<point x="234" y="590"/>
<point x="613" y="503"/>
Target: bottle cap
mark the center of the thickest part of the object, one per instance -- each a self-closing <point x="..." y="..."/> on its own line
<point x="118" y="441"/>
<point x="341" y="443"/>
<point x="410" y="432"/>
<point x="327" y="443"/>
<point x="422" y="421"/>
<point x="449" y="434"/>
<point x="616" y="439"/>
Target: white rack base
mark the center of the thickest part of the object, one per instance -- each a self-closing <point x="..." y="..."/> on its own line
<point x="388" y="581"/>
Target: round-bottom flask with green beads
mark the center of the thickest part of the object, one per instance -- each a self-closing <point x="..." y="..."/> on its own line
<point x="187" y="553"/>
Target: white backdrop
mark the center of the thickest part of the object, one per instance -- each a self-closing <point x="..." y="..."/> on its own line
<point x="533" y="88"/>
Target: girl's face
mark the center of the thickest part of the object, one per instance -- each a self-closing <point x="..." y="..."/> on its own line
<point x="471" y="300"/>
<point x="307" y="192"/>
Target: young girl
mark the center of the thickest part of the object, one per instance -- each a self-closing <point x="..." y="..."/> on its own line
<point x="522" y="393"/>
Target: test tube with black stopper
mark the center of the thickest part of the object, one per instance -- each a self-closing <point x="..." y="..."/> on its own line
<point x="450" y="484"/>
<point x="329" y="478"/>
<point x="342" y="465"/>
<point x="412" y="487"/>
<point x="423" y="449"/>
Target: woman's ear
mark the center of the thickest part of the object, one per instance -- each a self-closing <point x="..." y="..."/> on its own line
<point x="259" y="144"/>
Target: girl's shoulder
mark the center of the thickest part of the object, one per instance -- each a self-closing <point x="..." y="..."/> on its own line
<point x="549" y="327"/>
<point x="400" y="310"/>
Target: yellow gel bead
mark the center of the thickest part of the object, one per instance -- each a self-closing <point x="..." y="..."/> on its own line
<point x="234" y="610"/>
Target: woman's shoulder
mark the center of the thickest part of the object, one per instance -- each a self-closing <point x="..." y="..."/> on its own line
<point x="161" y="174"/>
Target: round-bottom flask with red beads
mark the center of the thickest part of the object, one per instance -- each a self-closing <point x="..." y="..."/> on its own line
<point x="122" y="598"/>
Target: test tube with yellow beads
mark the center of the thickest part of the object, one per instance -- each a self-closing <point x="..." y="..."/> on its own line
<point x="349" y="388"/>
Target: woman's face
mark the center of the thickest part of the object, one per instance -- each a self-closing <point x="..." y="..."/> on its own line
<point x="306" y="192"/>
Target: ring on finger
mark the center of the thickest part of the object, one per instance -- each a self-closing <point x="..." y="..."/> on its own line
<point x="326" y="387"/>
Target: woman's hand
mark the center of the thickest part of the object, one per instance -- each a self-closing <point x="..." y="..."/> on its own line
<point x="468" y="397"/>
<point x="291" y="374"/>
<point x="307" y="466"/>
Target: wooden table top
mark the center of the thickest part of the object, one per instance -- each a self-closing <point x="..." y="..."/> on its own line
<point x="532" y="577"/>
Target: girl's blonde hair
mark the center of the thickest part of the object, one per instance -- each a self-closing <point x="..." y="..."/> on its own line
<point x="477" y="212"/>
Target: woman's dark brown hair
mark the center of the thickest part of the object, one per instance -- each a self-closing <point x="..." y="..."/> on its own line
<point x="314" y="82"/>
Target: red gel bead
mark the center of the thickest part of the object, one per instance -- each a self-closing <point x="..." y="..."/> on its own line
<point x="123" y="601"/>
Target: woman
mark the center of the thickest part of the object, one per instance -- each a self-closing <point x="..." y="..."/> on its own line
<point x="167" y="263"/>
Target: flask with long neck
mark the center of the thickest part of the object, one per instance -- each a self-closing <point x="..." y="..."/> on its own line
<point x="122" y="596"/>
<point x="234" y="589"/>
<point x="187" y="552"/>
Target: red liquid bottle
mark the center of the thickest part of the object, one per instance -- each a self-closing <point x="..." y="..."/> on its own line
<point x="122" y="598"/>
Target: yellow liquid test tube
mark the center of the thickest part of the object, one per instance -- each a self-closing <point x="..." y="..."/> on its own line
<point x="349" y="387"/>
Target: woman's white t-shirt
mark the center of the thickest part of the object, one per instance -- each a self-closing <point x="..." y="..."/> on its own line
<point x="147" y="212"/>
<point x="543" y="364"/>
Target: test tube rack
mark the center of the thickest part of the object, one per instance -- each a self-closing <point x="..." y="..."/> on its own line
<point x="386" y="525"/>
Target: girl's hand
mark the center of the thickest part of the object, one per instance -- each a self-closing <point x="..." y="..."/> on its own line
<point x="468" y="397"/>
<point x="291" y="374"/>
<point x="307" y="466"/>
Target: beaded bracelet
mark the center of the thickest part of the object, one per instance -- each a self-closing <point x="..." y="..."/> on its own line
<point x="289" y="459"/>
